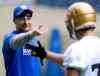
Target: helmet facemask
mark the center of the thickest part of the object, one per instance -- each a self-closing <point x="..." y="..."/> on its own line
<point x="71" y="29"/>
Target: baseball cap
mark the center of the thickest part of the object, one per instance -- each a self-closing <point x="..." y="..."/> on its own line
<point x="22" y="10"/>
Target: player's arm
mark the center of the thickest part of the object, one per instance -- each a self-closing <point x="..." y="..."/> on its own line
<point x="20" y="39"/>
<point x="55" y="57"/>
<point x="40" y="52"/>
<point x="72" y="72"/>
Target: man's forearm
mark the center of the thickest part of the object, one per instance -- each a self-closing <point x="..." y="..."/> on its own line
<point x="20" y="39"/>
<point x="56" y="57"/>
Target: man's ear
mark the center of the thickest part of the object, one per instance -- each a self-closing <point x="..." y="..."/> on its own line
<point x="14" y="20"/>
<point x="0" y="37"/>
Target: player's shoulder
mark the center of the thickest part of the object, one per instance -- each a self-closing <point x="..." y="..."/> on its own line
<point x="70" y="49"/>
<point x="74" y="45"/>
<point x="8" y="35"/>
<point x="91" y="38"/>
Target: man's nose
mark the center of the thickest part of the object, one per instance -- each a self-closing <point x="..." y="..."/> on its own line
<point x="25" y="20"/>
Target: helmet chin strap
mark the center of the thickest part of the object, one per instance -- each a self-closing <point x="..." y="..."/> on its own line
<point x="77" y="35"/>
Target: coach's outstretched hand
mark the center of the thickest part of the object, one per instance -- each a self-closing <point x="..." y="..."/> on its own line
<point x="37" y="51"/>
<point x="37" y="31"/>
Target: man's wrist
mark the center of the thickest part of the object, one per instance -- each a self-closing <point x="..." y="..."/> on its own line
<point x="30" y="34"/>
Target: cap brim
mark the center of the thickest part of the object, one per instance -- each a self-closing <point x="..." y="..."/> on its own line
<point x="25" y="12"/>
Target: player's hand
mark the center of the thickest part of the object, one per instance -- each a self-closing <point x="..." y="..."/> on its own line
<point x="37" y="51"/>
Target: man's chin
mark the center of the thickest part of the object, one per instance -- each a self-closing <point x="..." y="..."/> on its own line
<point x="27" y="29"/>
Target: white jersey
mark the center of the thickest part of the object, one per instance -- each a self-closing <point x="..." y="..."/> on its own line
<point x="84" y="55"/>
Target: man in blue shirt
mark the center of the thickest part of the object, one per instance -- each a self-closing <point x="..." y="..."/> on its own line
<point x="18" y="60"/>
